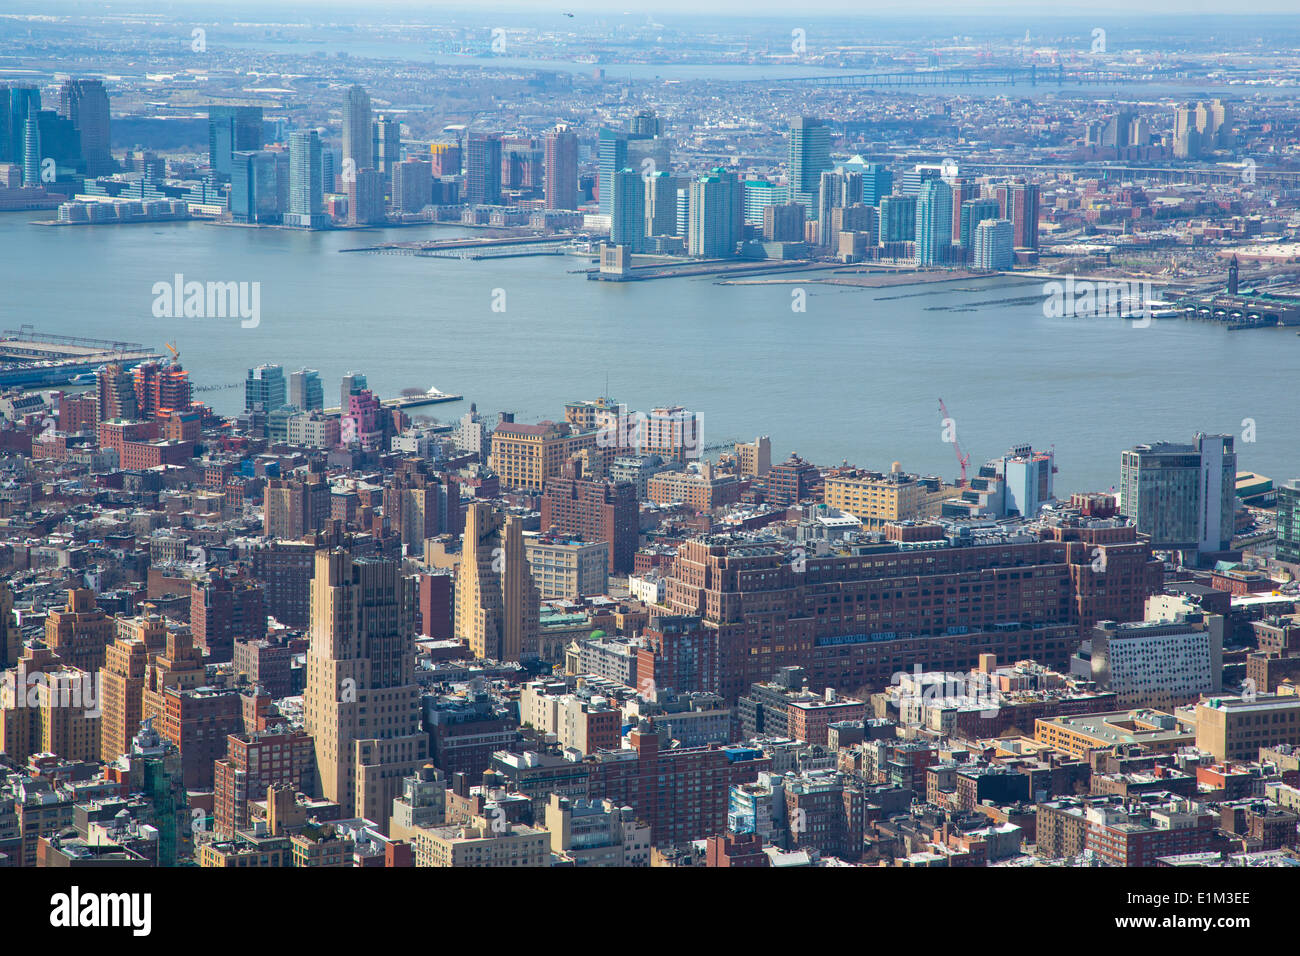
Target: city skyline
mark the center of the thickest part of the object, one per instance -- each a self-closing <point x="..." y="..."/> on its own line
<point x="525" y="437"/>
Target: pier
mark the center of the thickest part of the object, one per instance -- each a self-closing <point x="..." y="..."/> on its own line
<point x="31" y="358"/>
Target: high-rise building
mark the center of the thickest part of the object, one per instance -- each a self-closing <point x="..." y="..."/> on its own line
<point x="362" y="705"/>
<point x="353" y="383"/>
<point x="644" y="153"/>
<point x="877" y="183"/>
<point x="1159" y="663"/>
<point x="595" y="511"/>
<point x="255" y="186"/>
<point x="1288" y="521"/>
<point x="221" y="610"/>
<point x="122" y="679"/>
<point x="365" y="193"/>
<point x="524" y="456"/>
<point x="760" y="195"/>
<point x="160" y="390"/>
<point x="562" y="169"/>
<point x="85" y="103"/>
<point x="831" y="195"/>
<point x="661" y="204"/>
<point x="294" y="507"/>
<point x="232" y="129"/>
<point x="784" y="223"/>
<point x="305" y="390"/>
<point x="717" y="211"/>
<point x="497" y="601"/>
<point x="32" y="151"/>
<point x="933" y="223"/>
<point x="306" y="199"/>
<point x="386" y="146"/>
<point x="970" y="214"/>
<point x="358" y="143"/>
<point x="1182" y="496"/>
<point x="1019" y="203"/>
<point x="483" y="169"/>
<point x="79" y="633"/>
<point x="1201" y="128"/>
<point x="18" y="101"/>
<point x="11" y="635"/>
<point x="412" y="185"/>
<point x="897" y="219"/>
<point x="627" y="219"/>
<point x="265" y="388"/>
<point x="810" y="156"/>
<point x="116" y="388"/>
<point x="918" y="174"/>
<point x="991" y="248"/>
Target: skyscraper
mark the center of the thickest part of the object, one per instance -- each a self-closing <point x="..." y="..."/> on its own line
<point x="264" y="388"/>
<point x="877" y="183"/>
<point x="361" y="704"/>
<point x="933" y="223"/>
<point x="306" y="201"/>
<point x="914" y="177"/>
<point x="358" y="144"/>
<point x="255" y="187"/>
<point x="562" y="169"/>
<point x="85" y="103"/>
<point x="386" y="145"/>
<point x="897" y="219"/>
<point x="1288" y="522"/>
<point x="353" y="383"/>
<point x="1019" y="202"/>
<point x="483" y="169"/>
<point x="32" y="152"/>
<point x="643" y="152"/>
<point x="412" y="185"/>
<point x="831" y="195"/>
<point x="497" y="600"/>
<point x="970" y="214"/>
<point x="661" y="204"/>
<point x="232" y="129"/>
<point x="1182" y="496"/>
<point x="627" y="222"/>
<point x="305" y="390"/>
<point x="365" y="193"/>
<point x="991" y="246"/>
<point x="717" y="210"/>
<point x="759" y="195"/>
<point x="810" y="156"/>
<point x="116" y="390"/>
<point x="22" y="100"/>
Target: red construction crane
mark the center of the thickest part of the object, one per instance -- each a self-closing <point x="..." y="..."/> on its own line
<point x="962" y="460"/>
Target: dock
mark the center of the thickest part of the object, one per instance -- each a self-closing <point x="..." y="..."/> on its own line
<point x="411" y="401"/>
<point x="29" y="358"/>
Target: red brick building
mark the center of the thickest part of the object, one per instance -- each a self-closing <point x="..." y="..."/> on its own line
<point x="595" y="511"/>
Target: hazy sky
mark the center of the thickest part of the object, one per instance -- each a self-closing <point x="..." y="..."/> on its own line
<point x="609" y="9"/>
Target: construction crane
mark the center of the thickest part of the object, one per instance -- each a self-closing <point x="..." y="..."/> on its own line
<point x="962" y="460"/>
<point x="176" y="356"/>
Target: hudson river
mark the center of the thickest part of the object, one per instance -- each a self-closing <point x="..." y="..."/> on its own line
<point x="856" y="376"/>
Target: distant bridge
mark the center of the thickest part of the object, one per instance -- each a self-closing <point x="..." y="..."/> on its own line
<point x="1031" y="75"/>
